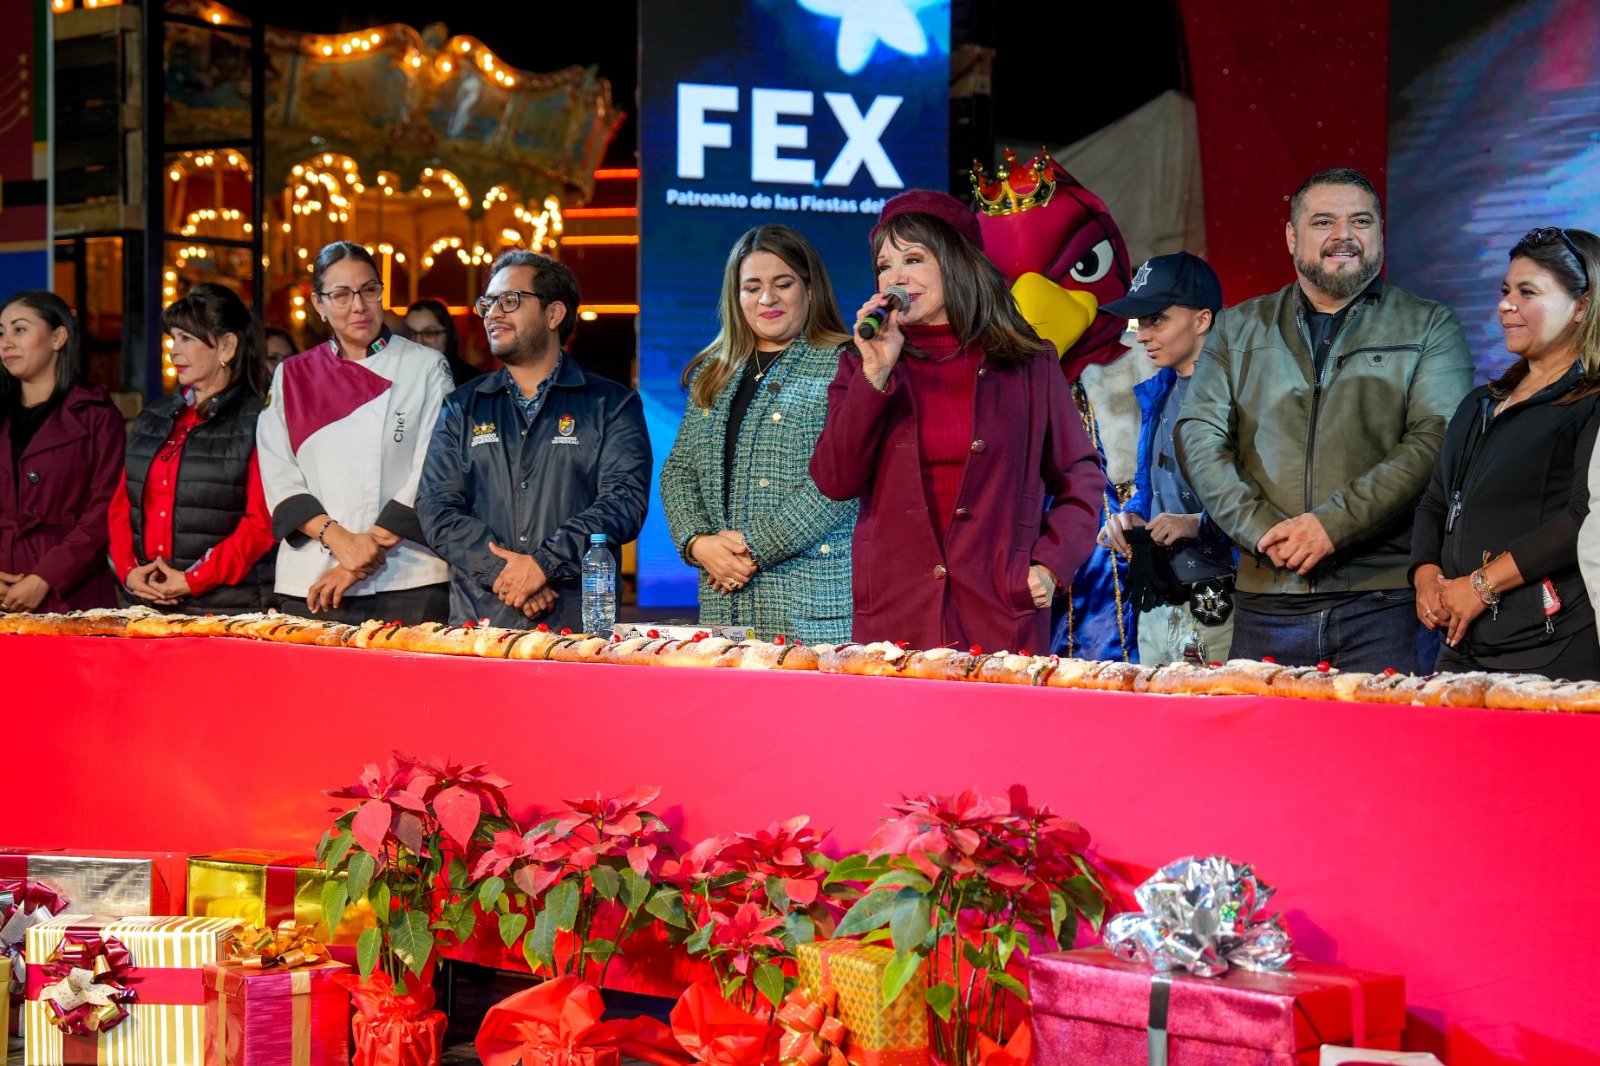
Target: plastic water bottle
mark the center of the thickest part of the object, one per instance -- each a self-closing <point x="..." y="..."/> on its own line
<point x="599" y="586"/>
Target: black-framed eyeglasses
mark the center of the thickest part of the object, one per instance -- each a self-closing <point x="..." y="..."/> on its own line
<point x="509" y="301"/>
<point x="1546" y="234"/>
<point x="370" y="293"/>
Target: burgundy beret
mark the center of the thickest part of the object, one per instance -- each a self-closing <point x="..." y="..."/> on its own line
<point x="940" y="205"/>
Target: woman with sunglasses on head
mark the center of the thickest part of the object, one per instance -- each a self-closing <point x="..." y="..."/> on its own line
<point x="342" y="441"/>
<point x="61" y="447"/>
<point x="773" y="552"/>
<point x="430" y="323"/>
<point x="190" y="529"/>
<point x="1494" y="551"/>
<point x="954" y="425"/>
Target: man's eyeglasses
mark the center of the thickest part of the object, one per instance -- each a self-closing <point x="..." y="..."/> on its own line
<point x="509" y="301"/>
<point x="370" y="293"/>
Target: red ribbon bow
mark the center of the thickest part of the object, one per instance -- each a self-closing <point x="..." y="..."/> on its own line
<point x="814" y="1035"/>
<point x="557" y="1023"/>
<point x="89" y="972"/>
<point x="719" y="1033"/>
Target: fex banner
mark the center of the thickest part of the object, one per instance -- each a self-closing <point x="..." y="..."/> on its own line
<point x="810" y="113"/>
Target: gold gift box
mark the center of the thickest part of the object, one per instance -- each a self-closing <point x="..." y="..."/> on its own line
<point x="265" y="887"/>
<point x="153" y="1034"/>
<point x="892" y="1033"/>
<point x="5" y="1002"/>
<point x="107" y="882"/>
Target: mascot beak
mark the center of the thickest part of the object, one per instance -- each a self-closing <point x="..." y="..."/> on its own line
<point x="1059" y="315"/>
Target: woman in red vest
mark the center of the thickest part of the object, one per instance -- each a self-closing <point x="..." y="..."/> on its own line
<point x="956" y="429"/>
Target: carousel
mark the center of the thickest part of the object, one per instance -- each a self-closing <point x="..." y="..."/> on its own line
<point x="424" y="147"/>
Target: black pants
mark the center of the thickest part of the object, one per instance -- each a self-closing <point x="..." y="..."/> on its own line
<point x="429" y="603"/>
<point x="1577" y="660"/>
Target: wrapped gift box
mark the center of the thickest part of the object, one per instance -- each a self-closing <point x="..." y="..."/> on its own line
<point x="5" y="1001"/>
<point x="267" y="887"/>
<point x="879" y="1034"/>
<point x="103" y="882"/>
<point x="276" y="1017"/>
<point x="1090" y="1006"/>
<point x="166" y="1021"/>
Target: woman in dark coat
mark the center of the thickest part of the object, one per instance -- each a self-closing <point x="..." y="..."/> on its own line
<point x="190" y="529"/>
<point x="955" y="427"/>
<point x="60" y="456"/>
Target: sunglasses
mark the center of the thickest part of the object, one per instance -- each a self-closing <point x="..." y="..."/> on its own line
<point x="1547" y="234"/>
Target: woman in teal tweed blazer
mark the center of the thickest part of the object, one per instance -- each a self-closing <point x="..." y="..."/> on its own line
<point x="773" y="552"/>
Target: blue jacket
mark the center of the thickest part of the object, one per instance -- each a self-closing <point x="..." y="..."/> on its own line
<point x="581" y="466"/>
<point x="1152" y="394"/>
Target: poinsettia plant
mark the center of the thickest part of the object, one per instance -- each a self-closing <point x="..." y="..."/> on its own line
<point x="969" y="884"/>
<point x="751" y="898"/>
<point x="589" y="870"/>
<point x="405" y="848"/>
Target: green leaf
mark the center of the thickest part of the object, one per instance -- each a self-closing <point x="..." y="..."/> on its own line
<point x="503" y="904"/>
<point x="911" y="919"/>
<point x="378" y="896"/>
<point x="600" y="949"/>
<point x="701" y="939"/>
<point x="337" y="848"/>
<point x="877" y="936"/>
<point x="769" y="982"/>
<point x="870" y="912"/>
<point x="511" y="927"/>
<point x="540" y="945"/>
<point x="561" y="904"/>
<point x="605" y="881"/>
<point x="1086" y="898"/>
<point x="942" y="998"/>
<point x="777" y="894"/>
<point x="465" y="923"/>
<point x="635" y="889"/>
<point x="334" y="896"/>
<point x="850" y="868"/>
<point x="457" y="875"/>
<point x="367" y="947"/>
<point x="667" y="904"/>
<point x="901" y="879"/>
<point x="800" y="927"/>
<point x="412" y="940"/>
<point x="362" y="867"/>
<point x="896" y="975"/>
<point x="1009" y="983"/>
<point x="974" y="956"/>
<point x="489" y="890"/>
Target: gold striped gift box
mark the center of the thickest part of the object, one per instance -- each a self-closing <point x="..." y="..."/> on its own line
<point x="154" y="1033"/>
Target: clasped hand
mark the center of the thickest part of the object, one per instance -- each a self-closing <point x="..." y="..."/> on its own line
<point x="22" y="592"/>
<point x="158" y="582"/>
<point x="1165" y="529"/>
<point x="1297" y="544"/>
<point x="1446" y="603"/>
<point x="522" y="584"/>
<point x="726" y="559"/>
<point x="359" y="553"/>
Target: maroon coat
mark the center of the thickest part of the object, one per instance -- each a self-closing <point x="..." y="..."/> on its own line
<point x="1028" y="443"/>
<point x="53" y="503"/>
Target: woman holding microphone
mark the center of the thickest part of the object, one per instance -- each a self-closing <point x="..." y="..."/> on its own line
<point x="953" y="424"/>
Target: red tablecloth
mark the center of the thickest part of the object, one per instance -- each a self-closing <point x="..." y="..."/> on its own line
<point x="1456" y="847"/>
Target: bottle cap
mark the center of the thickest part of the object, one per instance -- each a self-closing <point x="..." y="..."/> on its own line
<point x="597" y="538"/>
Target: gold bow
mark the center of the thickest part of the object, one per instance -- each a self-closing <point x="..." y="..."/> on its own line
<point x="813" y="1034"/>
<point x="289" y="945"/>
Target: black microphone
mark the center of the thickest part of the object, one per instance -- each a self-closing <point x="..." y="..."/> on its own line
<point x="899" y="300"/>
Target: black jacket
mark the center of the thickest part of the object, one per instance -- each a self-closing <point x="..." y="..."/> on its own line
<point x="581" y="466"/>
<point x="1520" y="483"/>
<point x="212" y="492"/>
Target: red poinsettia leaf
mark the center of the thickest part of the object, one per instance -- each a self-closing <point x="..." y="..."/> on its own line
<point x="370" y="826"/>
<point x="627" y="825"/>
<point x="408" y="828"/>
<point x="639" y="858"/>
<point x="639" y="796"/>
<point x="458" y="811"/>
<point x="1008" y="874"/>
<point x="535" y="879"/>
<point x="408" y="801"/>
<point x="802" y="891"/>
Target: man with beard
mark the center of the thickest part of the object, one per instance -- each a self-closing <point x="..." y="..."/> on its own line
<point x="526" y="462"/>
<point x="1310" y="430"/>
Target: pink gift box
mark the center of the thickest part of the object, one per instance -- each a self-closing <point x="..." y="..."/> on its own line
<point x="1090" y="1006"/>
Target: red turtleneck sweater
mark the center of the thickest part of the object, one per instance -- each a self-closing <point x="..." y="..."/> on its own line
<point x="942" y="389"/>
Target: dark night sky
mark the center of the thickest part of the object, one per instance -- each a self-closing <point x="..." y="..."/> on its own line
<point x="1046" y="88"/>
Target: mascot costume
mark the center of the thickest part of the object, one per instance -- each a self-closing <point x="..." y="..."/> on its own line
<point x="1066" y="258"/>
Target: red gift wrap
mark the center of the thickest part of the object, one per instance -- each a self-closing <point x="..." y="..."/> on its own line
<point x="393" y="1030"/>
<point x="1090" y="1006"/>
<point x="276" y="1017"/>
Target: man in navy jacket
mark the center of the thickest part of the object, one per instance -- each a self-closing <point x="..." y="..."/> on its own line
<point x="528" y="461"/>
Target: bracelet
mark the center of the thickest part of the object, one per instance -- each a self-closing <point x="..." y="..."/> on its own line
<point x="688" y="549"/>
<point x="320" y="534"/>
<point x="1484" y="587"/>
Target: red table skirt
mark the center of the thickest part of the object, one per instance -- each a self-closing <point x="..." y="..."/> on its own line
<point x="1453" y="846"/>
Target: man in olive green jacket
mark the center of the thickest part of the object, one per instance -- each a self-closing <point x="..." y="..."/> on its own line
<point x="1310" y="431"/>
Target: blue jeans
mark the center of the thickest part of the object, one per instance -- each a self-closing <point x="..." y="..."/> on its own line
<point x="1377" y="631"/>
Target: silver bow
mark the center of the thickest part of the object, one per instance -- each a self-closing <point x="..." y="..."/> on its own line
<point x="1201" y="915"/>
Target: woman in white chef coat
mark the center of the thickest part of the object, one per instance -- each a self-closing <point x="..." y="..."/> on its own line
<point x="341" y="445"/>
